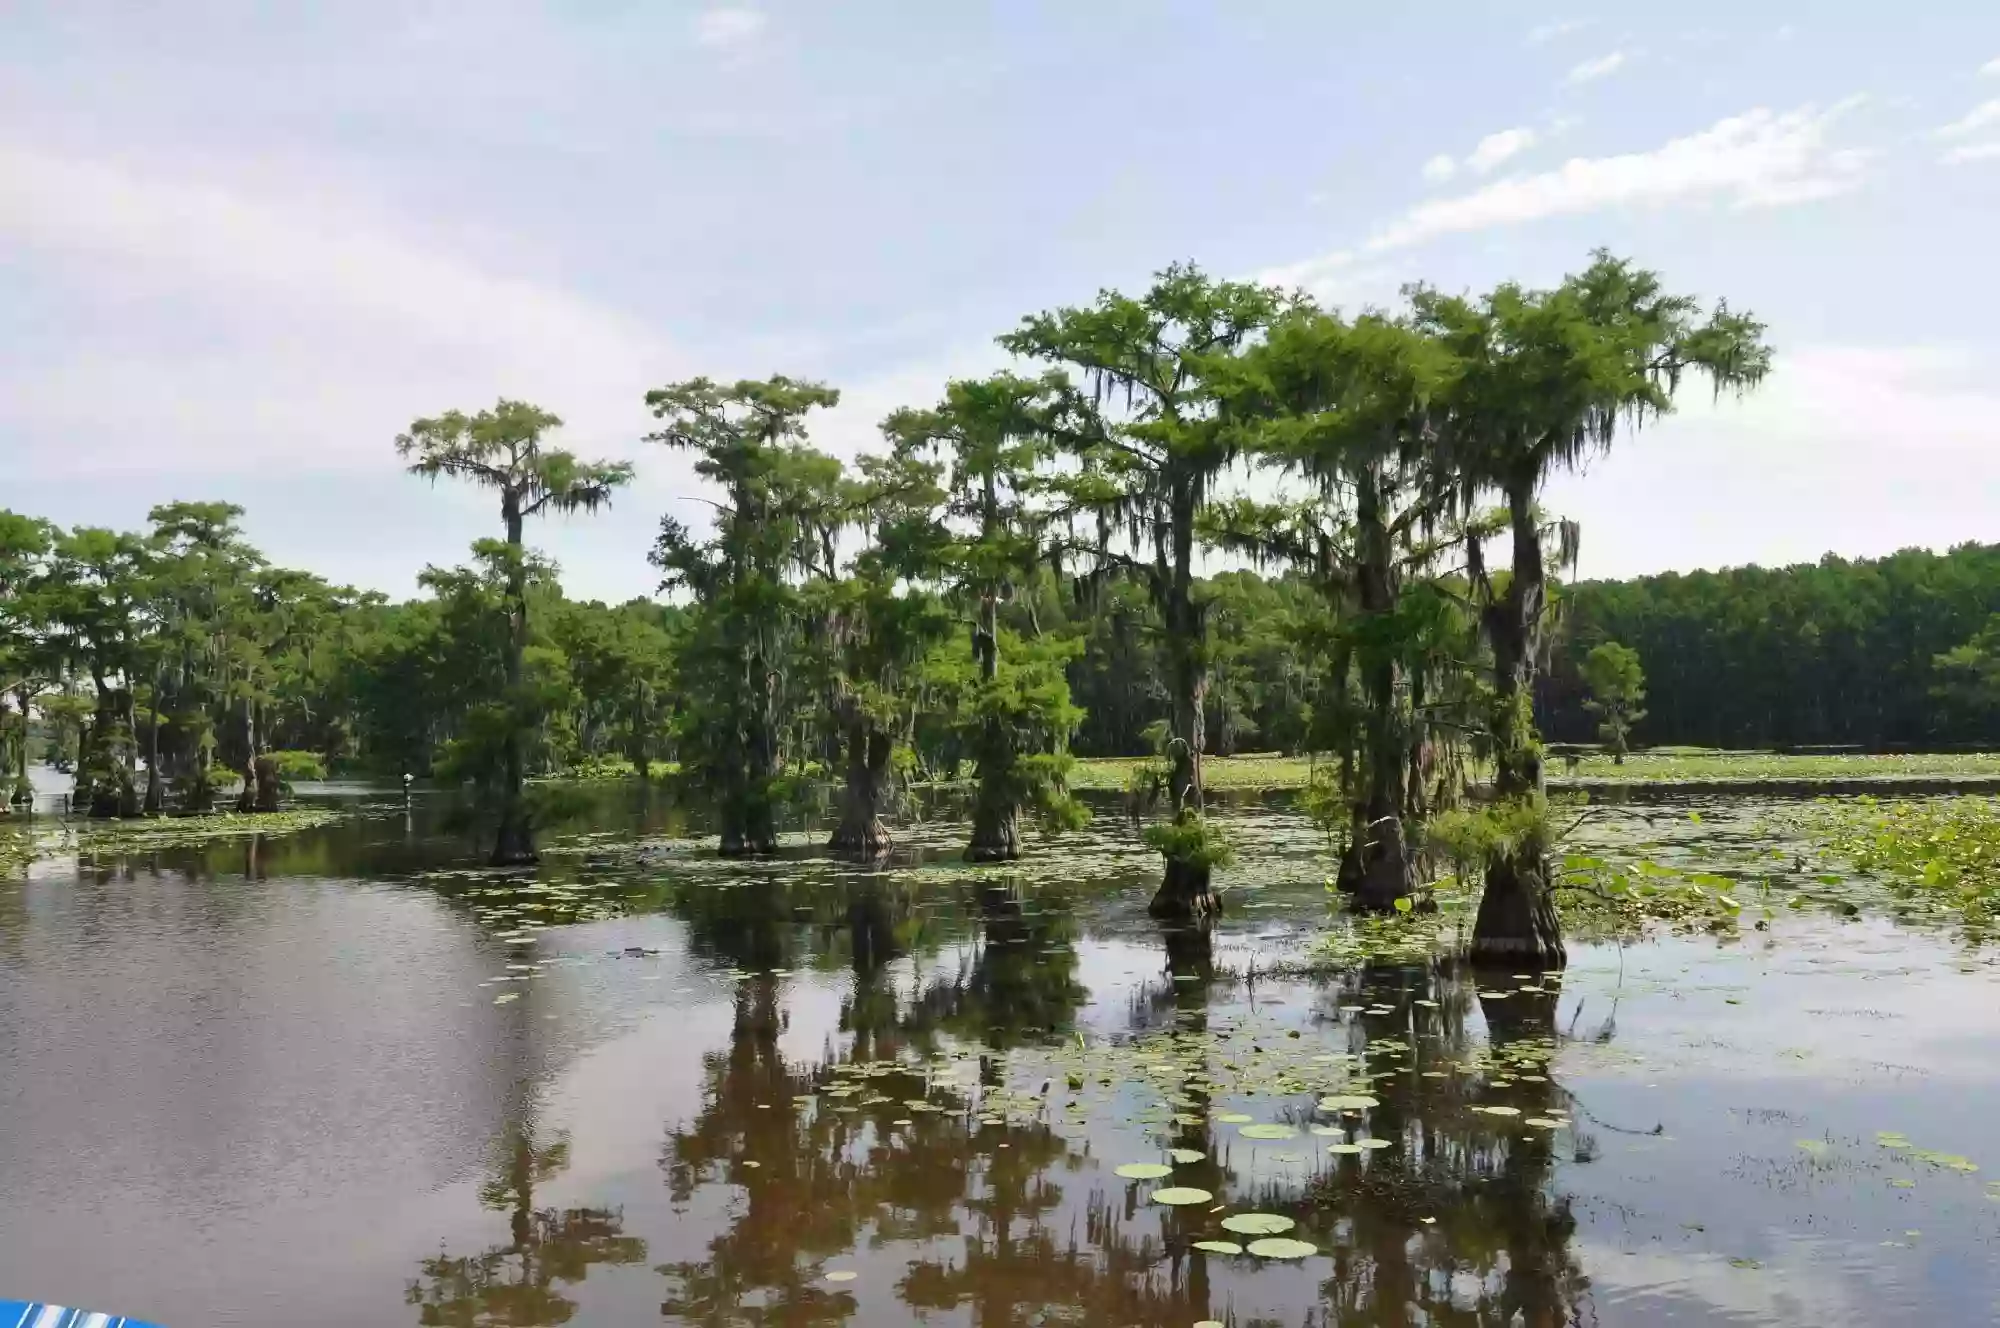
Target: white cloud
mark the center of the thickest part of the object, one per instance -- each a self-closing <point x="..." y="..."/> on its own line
<point x="1991" y="68"/>
<point x="1979" y="117"/>
<point x="1891" y="446"/>
<point x="244" y="319"/>
<point x="1338" y="279"/>
<point x="1589" y="71"/>
<point x="1547" y="32"/>
<point x="1440" y="168"/>
<point x="1759" y="159"/>
<point x="729" y="28"/>
<point x="1971" y="152"/>
<point x="1495" y="149"/>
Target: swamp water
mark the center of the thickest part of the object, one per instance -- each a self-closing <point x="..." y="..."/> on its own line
<point x="340" y="1078"/>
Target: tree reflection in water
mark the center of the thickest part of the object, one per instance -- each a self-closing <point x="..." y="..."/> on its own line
<point x="517" y="1285"/>
<point x="1459" y="1223"/>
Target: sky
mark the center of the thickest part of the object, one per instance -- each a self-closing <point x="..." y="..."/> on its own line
<point x="243" y="245"/>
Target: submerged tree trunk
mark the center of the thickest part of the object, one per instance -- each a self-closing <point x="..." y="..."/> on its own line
<point x="269" y="786"/>
<point x="1185" y="890"/>
<point x="201" y="793"/>
<point x="153" y="777"/>
<point x="749" y="825"/>
<point x="24" y="788"/>
<point x="996" y="810"/>
<point x="104" y="779"/>
<point x="514" y="840"/>
<point x="1517" y="921"/>
<point x="860" y="829"/>
<point x="246" y="800"/>
<point x="1378" y="868"/>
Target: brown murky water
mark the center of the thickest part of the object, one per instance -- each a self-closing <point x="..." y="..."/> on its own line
<point x="285" y="1082"/>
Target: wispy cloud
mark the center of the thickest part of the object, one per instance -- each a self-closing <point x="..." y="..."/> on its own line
<point x="1758" y="159"/>
<point x="1495" y="149"/>
<point x="1490" y="153"/>
<point x="1982" y="116"/>
<point x="1991" y="69"/>
<point x="1959" y="156"/>
<point x="1543" y="33"/>
<point x="1589" y="71"/>
<point x="729" y="28"/>
<point x="330" y="323"/>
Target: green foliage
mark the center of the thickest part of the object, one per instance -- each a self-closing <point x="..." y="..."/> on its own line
<point x="293" y="766"/>
<point x="1617" y="686"/>
<point x="1194" y="840"/>
<point x="1470" y="837"/>
<point x="1941" y="853"/>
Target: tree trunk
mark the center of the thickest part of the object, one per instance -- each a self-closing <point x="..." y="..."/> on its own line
<point x="24" y="788"/>
<point x="201" y="794"/>
<point x="1517" y="924"/>
<point x="104" y="783"/>
<point x="996" y="828"/>
<point x="861" y="830"/>
<point x="246" y="801"/>
<point x="1517" y="921"/>
<point x="514" y="840"/>
<point x="268" y="783"/>
<point x="153" y="778"/>
<point x="996" y="810"/>
<point x="1378" y="869"/>
<point x="1184" y="885"/>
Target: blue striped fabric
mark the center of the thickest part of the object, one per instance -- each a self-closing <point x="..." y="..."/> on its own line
<point x="26" y="1314"/>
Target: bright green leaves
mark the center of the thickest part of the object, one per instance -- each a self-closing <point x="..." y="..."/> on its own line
<point x="1180" y="1196"/>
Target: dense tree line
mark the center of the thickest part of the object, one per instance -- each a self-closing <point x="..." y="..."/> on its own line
<point x="1017" y="569"/>
<point x="1863" y="652"/>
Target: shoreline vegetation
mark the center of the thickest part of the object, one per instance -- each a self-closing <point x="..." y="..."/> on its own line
<point x="1695" y="769"/>
<point x="1008" y="588"/>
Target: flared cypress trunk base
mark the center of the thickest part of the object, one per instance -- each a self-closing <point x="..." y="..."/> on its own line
<point x="864" y="836"/>
<point x="996" y="835"/>
<point x="1378" y="867"/>
<point x="514" y="845"/>
<point x="748" y="833"/>
<point x="1517" y="922"/>
<point x="267" y="785"/>
<point x="1184" y="893"/>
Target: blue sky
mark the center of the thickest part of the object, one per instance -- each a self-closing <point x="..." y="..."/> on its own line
<point x="242" y="245"/>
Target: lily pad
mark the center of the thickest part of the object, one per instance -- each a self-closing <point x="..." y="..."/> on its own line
<point x="1258" y="1224"/>
<point x="1345" y="1148"/>
<point x="1179" y="1194"/>
<point x="1347" y="1102"/>
<point x="1499" y="1111"/>
<point x="1374" y="1143"/>
<point x="1144" y="1171"/>
<point x="1218" y="1247"/>
<point x="1281" y="1247"/>
<point x="1268" y="1132"/>
<point x="844" y="1275"/>
<point x="1186" y="1154"/>
<point x="1234" y="1118"/>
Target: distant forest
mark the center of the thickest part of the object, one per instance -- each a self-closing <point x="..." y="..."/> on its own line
<point x="1888" y="652"/>
<point x="1874" y="653"/>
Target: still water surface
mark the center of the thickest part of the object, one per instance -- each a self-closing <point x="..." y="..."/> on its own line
<point x="284" y="1081"/>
